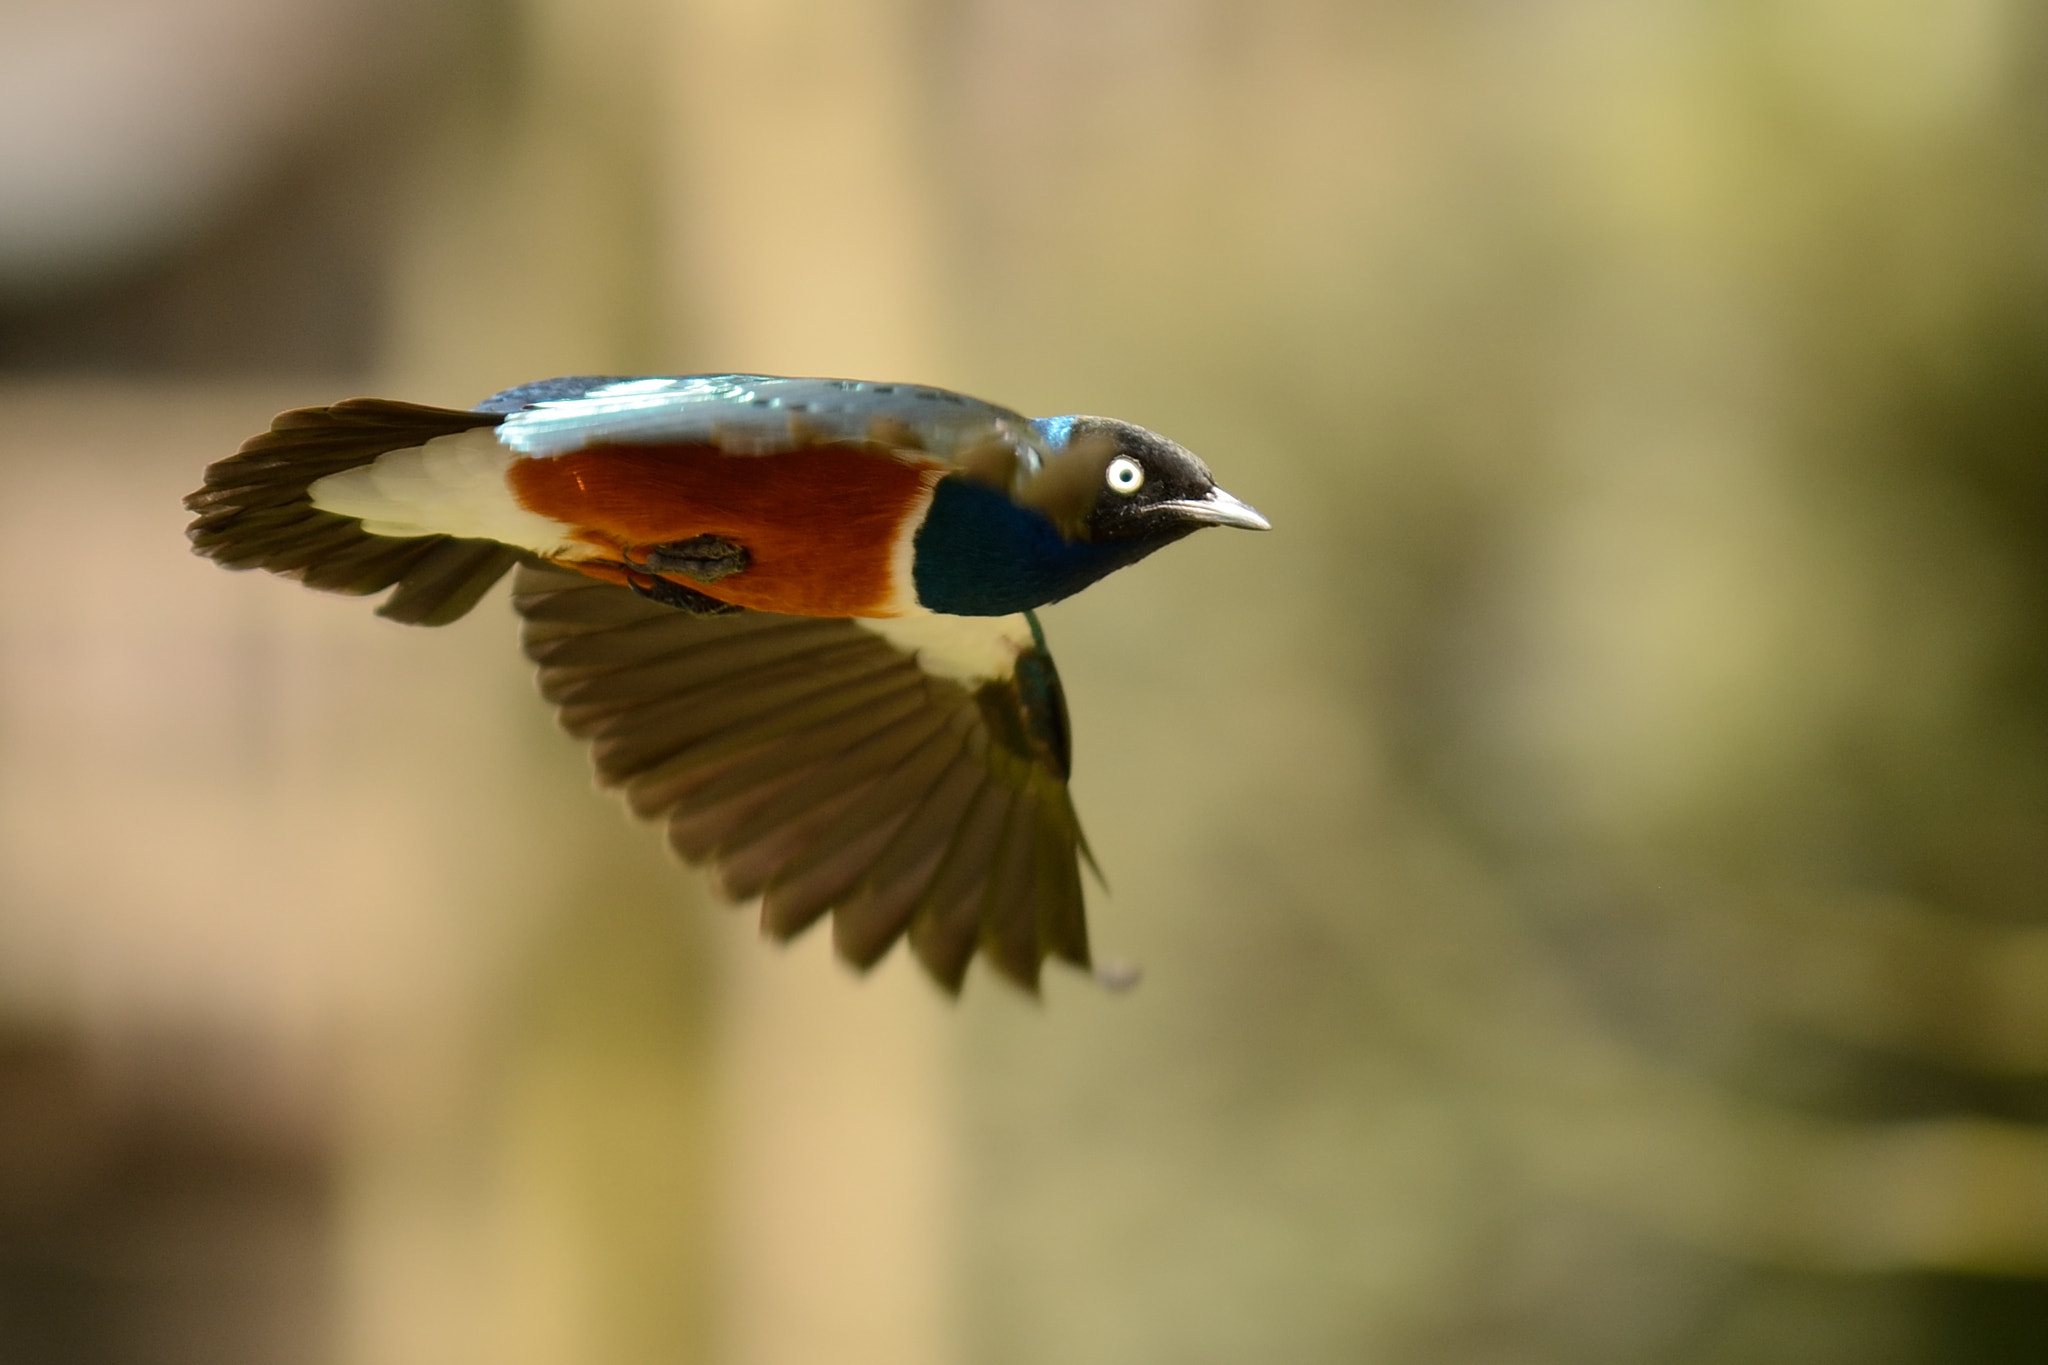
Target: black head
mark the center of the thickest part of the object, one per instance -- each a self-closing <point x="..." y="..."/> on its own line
<point x="1113" y="482"/>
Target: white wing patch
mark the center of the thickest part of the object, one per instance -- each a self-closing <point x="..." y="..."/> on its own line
<point x="453" y="485"/>
<point x="967" y="649"/>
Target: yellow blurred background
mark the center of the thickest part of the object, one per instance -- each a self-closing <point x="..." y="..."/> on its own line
<point x="1589" y="862"/>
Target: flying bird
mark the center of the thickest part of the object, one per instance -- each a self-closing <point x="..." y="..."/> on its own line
<point x="794" y="618"/>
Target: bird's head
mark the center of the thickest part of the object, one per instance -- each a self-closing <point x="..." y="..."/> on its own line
<point x="1031" y="521"/>
<point x="1109" y="482"/>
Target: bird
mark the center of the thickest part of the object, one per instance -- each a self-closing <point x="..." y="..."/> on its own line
<point x="795" y="618"/>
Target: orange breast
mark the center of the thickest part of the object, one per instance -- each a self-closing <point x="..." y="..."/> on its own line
<point x="819" y="524"/>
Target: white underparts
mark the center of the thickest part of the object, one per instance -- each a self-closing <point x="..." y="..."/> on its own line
<point x="453" y="485"/>
<point x="967" y="649"/>
<point x="903" y="553"/>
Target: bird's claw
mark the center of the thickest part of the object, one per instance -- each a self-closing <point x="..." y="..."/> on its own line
<point x="672" y="594"/>
<point x="703" y="558"/>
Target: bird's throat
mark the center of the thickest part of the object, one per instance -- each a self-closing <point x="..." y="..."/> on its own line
<point x="977" y="553"/>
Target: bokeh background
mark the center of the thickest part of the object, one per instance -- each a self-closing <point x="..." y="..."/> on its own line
<point x="1590" y="862"/>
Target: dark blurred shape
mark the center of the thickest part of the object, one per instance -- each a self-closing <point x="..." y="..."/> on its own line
<point x="204" y="188"/>
<point x="287" y="281"/>
<point x="158" y="1207"/>
<point x="1984" y="1320"/>
<point x="125" y="124"/>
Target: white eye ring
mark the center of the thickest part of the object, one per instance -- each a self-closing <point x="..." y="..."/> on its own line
<point x="1124" y="475"/>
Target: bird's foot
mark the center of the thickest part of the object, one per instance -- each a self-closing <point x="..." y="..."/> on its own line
<point x="675" y="595"/>
<point x="703" y="558"/>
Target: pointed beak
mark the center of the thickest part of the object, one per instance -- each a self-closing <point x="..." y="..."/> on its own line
<point x="1220" y="509"/>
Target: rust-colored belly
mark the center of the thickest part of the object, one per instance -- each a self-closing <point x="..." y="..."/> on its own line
<point x="820" y="524"/>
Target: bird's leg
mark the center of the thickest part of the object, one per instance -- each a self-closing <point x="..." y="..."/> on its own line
<point x="675" y="595"/>
<point x="703" y="558"/>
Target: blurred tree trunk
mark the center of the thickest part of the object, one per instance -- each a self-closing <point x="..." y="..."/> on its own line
<point x="801" y="241"/>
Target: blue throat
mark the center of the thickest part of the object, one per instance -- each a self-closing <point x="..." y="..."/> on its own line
<point x="979" y="554"/>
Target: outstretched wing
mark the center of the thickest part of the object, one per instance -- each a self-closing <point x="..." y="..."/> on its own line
<point x="255" y="512"/>
<point x="754" y="414"/>
<point x="819" y="766"/>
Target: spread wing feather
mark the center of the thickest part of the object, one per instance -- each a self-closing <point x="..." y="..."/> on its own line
<point x="254" y="512"/>
<point x="816" y="765"/>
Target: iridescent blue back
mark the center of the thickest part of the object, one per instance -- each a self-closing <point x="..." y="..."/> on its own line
<point x="745" y="414"/>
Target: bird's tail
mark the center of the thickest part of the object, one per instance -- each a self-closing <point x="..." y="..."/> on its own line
<point x="255" y="512"/>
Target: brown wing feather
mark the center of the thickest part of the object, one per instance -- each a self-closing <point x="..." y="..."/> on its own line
<point x="254" y="512"/>
<point x="948" y="917"/>
<point x="818" y="766"/>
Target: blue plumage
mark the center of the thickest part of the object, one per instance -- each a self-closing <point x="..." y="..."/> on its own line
<point x="1055" y="430"/>
<point x="981" y="554"/>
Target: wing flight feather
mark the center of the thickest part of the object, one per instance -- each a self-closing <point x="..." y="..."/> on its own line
<point x="816" y="765"/>
<point x="254" y="511"/>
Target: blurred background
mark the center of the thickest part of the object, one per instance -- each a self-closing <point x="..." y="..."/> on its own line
<point x="1588" y="862"/>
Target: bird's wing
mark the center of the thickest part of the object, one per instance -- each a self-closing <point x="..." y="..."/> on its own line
<point x="254" y="511"/>
<point x="756" y="414"/>
<point x="818" y="765"/>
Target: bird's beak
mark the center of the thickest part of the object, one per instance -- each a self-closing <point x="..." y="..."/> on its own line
<point x="1219" y="509"/>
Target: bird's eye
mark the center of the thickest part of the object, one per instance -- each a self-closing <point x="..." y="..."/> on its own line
<point x="1125" y="475"/>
